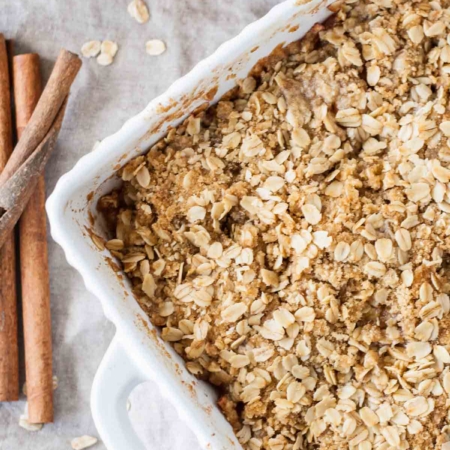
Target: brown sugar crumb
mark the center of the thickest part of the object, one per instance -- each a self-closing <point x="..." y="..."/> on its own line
<point x="292" y="241"/>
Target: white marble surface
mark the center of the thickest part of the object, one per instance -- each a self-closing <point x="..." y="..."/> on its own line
<point x="102" y="99"/>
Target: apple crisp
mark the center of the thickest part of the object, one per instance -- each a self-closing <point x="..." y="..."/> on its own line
<point x="292" y="240"/>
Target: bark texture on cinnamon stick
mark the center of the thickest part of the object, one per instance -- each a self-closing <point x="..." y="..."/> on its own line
<point x="34" y="273"/>
<point x="17" y="190"/>
<point x="9" y="361"/>
<point x="32" y="152"/>
<point x="56" y="91"/>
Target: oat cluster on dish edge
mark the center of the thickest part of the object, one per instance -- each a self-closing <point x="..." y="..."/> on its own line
<point x="292" y="241"/>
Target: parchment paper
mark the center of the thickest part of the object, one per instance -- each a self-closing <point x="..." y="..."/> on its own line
<point x="102" y="99"/>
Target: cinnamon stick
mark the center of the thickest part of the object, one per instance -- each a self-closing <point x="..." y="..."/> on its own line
<point x="34" y="272"/>
<point x="22" y="171"/>
<point x="56" y="91"/>
<point x="9" y="361"/>
<point x="17" y="190"/>
<point x="27" y="88"/>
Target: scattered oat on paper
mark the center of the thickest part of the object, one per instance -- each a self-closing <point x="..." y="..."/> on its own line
<point x="292" y="241"/>
<point x="82" y="442"/>
<point x="155" y="47"/>
<point x="109" y="47"/>
<point x="139" y="11"/>
<point x="104" y="59"/>
<point x="108" y="50"/>
<point x="91" y="49"/>
<point x="23" y="421"/>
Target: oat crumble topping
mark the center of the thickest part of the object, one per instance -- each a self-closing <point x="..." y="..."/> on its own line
<point x="292" y="241"/>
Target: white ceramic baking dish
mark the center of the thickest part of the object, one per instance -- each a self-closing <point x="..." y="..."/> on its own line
<point x="137" y="353"/>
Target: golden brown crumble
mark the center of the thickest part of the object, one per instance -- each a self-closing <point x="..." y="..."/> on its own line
<point x="292" y="241"/>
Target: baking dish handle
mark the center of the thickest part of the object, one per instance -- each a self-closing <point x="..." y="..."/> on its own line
<point x="116" y="377"/>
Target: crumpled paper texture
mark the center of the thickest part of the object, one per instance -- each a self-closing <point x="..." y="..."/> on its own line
<point x="102" y="99"/>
